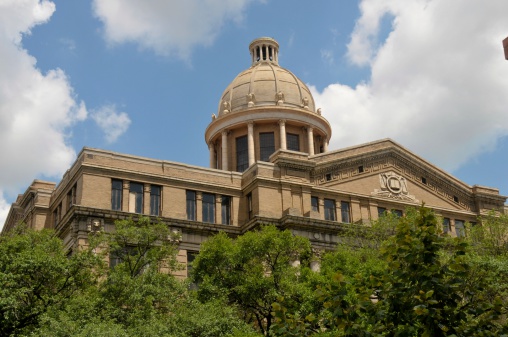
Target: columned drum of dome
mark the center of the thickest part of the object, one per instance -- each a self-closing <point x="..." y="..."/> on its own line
<point x="265" y="98"/>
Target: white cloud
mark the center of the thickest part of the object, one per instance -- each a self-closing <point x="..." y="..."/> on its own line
<point x="439" y="81"/>
<point x="36" y="109"/>
<point x="111" y="122"/>
<point x="167" y="27"/>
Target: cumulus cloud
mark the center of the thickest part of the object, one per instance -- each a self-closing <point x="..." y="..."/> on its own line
<point x="36" y="109"/>
<point x="112" y="123"/>
<point x="167" y="27"/>
<point x="438" y="81"/>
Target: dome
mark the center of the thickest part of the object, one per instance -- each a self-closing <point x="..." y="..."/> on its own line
<point x="265" y="83"/>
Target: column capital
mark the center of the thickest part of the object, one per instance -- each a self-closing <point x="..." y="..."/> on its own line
<point x="282" y="122"/>
<point x="225" y="132"/>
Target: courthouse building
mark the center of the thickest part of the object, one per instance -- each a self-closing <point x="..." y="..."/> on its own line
<point x="269" y="164"/>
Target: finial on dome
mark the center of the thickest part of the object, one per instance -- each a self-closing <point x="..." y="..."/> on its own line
<point x="264" y="49"/>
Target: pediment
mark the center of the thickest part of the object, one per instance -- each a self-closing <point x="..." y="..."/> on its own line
<point x="392" y="173"/>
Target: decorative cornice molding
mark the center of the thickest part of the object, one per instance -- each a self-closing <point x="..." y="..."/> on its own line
<point x="347" y="169"/>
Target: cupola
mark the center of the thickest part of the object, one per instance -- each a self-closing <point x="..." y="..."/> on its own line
<point x="264" y="109"/>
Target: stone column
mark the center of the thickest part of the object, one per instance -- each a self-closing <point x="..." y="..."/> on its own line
<point x="218" y="208"/>
<point x="125" y="195"/>
<point x="225" y="150"/>
<point x="325" y="145"/>
<point x="282" y="132"/>
<point x="146" y="199"/>
<point x="211" y="148"/>
<point x="250" y="142"/>
<point x="310" y="136"/>
<point x="199" y="206"/>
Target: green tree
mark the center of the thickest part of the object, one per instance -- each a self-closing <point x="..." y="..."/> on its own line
<point x="37" y="275"/>
<point x="252" y="271"/>
<point x="139" y="296"/>
<point x="429" y="285"/>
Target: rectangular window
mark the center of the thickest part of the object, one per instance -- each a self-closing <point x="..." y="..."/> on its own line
<point x="191" y="205"/>
<point x="208" y="208"/>
<point x="460" y="230"/>
<point x="155" y="200"/>
<point x="293" y="142"/>
<point x="249" y="205"/>
<point x="330" y="210"/>
<point x="57" y="214"/>
<point x="314" y="204"/>
<point x="345" y="212"/>
<point x="191" y="256"/>
<point x="381" y="211"/>
<point x="71" y="197"/>
<point x="226" y="210"/>
<point x="136" y="198"/>
<point x="116" y="194"/>
<point x="446" y="225"/>
<point x="242" y="154"/>
<point x="266" y="145"/>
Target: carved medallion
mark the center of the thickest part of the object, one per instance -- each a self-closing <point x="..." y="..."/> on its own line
<point x="393" y="186"/>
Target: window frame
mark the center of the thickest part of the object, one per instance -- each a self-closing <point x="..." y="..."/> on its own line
<point x="249" y="206"/>
<point x="225" y="210"/>
<point x="136" y="189"/>
<point x="314" y="204"/>
<point x="242" y="153"/>
<point x="155" y="200"/>
<point x="345" y="211"/>
<point x="208" y="207"/>
<point x="293" y="139"/>
<point x="330" y="213"/>
<point x="190" y="205"/>
<point x="446" y="225"/>
<point x="460" y="231"/>
<point x="116" y="195"/>
<point x="266" y="150"/>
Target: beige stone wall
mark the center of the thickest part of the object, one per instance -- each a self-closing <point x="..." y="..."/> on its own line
<point x="96" y="191"/>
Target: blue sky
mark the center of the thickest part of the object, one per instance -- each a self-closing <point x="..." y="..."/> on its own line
<point x="144" y="78"/>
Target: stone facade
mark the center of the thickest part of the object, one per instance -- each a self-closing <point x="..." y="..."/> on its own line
<point x="269" y="164"/>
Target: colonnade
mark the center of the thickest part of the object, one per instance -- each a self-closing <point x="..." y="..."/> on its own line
<point x="251" y="146"/>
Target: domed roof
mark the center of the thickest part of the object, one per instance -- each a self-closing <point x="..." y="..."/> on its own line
<point x="265" y="83"/>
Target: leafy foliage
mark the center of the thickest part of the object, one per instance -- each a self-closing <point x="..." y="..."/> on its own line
<point x="252" y="271"/>
<point x="429" y="286"/>
<point x="36" y="274"/>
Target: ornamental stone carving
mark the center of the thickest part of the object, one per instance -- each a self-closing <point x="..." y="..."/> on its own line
<point x="305" y="103"/>
<point x="250" y="100"/>
<point x="393" y="186"/>
<point x="279" y="97"/>
<point x="226" y="107"/>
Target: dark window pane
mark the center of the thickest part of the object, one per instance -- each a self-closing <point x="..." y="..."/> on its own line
<point x="266" y="145"/>
<point x="242" y="155"/>
<point x="381" y="211"/>
<point x="116" y="195"/>
<point x="191" y="205"/>
<point x="314" y="203"/>
<point x="330" y="209"/>
<point x="155" y="200"/>
<point x="208" y="208"/>
<point x="344" y="212"/>
<point x="226" y="210"/>
<point x="249" y="205"/>
<point x="293" y="142"/>
<point x="446" y="225"/>
<point x="460" y="230"/>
